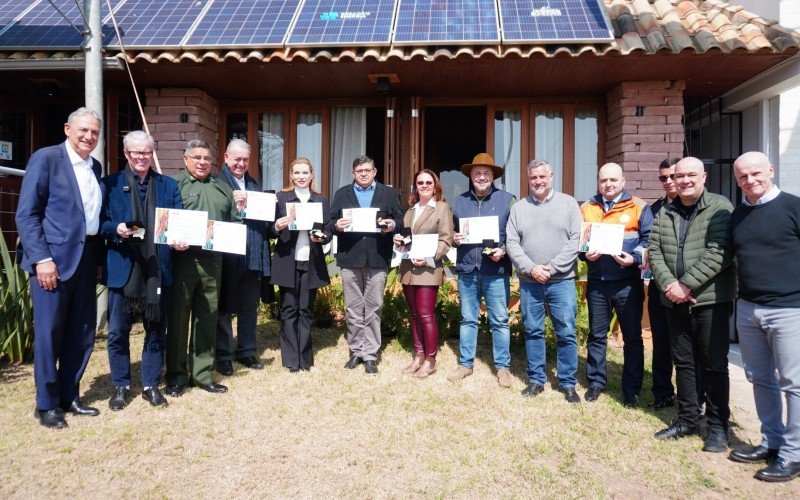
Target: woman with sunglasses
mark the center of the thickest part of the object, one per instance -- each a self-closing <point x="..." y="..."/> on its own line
<point x="298" y="265"/>
<point x="421" y="277"/>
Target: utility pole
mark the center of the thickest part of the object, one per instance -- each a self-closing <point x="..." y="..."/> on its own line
<point x="93" y="53"/>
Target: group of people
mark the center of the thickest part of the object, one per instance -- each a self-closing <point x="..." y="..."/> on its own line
<point x="74" y="225"/>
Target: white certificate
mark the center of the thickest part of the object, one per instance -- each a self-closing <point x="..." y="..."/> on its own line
<point x="423" y="246"/>
<point x="257" y="205"/>
<point x="228" y="237"/>
<point x="362" y="220"/>
<point x="303" y="215"/>
<point x="477" y="229"/>
<point x="180" y="226"/>
<point x="603" y="238"/>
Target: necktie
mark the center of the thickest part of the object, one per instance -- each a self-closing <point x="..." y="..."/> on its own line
<point x="609" y="204"/>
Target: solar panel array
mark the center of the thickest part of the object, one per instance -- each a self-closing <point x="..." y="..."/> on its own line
<point x="173" y="24"/>
<point x="446" y="21"/>
<point x="343" y="22"/>
<point x="553" y="21"/>
<point x="259" y="23"/>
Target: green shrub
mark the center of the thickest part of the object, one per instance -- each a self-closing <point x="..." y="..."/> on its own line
<point x="16" y="310"/>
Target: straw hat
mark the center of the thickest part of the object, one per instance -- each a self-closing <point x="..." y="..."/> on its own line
<point x="482" y="160"/>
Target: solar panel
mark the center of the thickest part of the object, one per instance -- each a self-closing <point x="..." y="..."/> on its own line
<point x="155" y="23"/>
<point x="262" y="23"/>
<point x="538" y="21"/>
<point x="43" y="27"/>
<point x="343" y="22"/>
<point x="425" y="22"/>
<point x="11" y="9"/>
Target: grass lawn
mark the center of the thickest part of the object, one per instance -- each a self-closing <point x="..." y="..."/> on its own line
<point x="339" y="433"/>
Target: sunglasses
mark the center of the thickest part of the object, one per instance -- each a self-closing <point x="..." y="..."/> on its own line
<point x="424" y="183"/>
<point x="663" y="178"/>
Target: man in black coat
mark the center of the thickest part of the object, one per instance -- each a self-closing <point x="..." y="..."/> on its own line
<point x="241" y="274"/>
<point x="364" y="258"/>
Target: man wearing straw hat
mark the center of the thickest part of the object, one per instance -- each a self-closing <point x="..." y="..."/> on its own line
<point x="483" y="268"/>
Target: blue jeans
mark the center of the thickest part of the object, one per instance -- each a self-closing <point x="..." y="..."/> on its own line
<point x="119" y="331"/>
<point x="494" y="289"/>
<point x="560" y="297"/>
<point x="626" y="297"/>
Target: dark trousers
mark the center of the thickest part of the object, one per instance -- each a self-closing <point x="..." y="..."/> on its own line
<point x="662" y="358"/>
<point x="119" y="346"/>
<point x="296" y="304"/>
<point x="421" y="300"/>
<point x="626" y="297"/>
<point x="248" y="293"/>
<point x="64" y="321"/>
<point x="701" y="333"/>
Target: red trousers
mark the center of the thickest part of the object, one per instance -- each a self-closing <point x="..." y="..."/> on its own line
<point x="421" y="300"/>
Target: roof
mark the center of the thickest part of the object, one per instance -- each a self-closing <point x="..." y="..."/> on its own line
<point x="643" y="26"/>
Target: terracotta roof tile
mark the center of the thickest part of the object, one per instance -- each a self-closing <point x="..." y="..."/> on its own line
<point x="648" y="26"/>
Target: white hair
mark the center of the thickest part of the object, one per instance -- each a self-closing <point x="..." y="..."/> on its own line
<point x="137" y="137"/>
<point x="84" y="111"/>
<point x="237" y="144"/>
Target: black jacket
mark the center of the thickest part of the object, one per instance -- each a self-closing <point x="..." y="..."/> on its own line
<point x="283" y="263"/>
<point x="355" y="250"/>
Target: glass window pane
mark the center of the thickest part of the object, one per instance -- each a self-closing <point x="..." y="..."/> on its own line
<point x="270" y="150"/>
<point x="236" y="127"/>
<point x="507" y="136"/>
<point x="349" y="140"/>
<point x="13" y="140"/>
<point x="586" y="144"/>
<point x="550" y="143"/>
<point x="309" y="141"/>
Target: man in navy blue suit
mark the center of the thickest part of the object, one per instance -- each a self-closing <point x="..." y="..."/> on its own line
<point x="58" y="218"/>
<point x="138" y="271"/>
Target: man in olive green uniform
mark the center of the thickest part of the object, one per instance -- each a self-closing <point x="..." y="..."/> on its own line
<point x="197" y="275"/>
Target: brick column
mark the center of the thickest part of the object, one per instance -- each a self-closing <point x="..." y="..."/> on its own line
<point x="641" y="143"/>
<point x="163" y="111"/>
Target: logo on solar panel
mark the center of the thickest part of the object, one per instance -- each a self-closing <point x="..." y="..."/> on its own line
<point x="333" y="16"/>
<point x="546" y="11"/>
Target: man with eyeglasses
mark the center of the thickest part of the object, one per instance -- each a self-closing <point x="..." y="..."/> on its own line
<point x="483" y="272"/>
<point x="197" y="274"/>
<point x="364" y="259"/>
<point x="615" y="284"/>
<point x="242" y="275"/>
<point x="138" y="272"/>
<point x="542" y="239"/>
<point x="691" y="256"/>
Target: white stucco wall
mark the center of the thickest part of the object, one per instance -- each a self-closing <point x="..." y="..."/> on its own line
<point x="789" y="114"/>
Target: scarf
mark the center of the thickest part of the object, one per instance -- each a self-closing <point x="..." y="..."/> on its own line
<point x="142" y="291"/>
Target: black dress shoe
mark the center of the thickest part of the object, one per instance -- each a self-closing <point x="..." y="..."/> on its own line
<point x="294" y="370"/>
<point x="533" y="390"/>
<point x="630" y="400"/>
<point x="353" y="362"/>
<point x="667" y="402"/>
<point x="224" y="368"/>
<point x="592" y="393"/>
<point x="678" y="429"/>
<point x="153" y="396"/>
<point x="213" y="387"/>
<point x="570" y="395"/>
<point x="175" y="391"/>
<point x="252" y="362"/>
<point x="119" y="400"/>
<point x="754" y="454"/>
<point x="82" y="410"/>
<point x="52" y="419"/>
<point x="778" y="471"/>
<point x="371" y="367"/>
<point x="717" y="440"/>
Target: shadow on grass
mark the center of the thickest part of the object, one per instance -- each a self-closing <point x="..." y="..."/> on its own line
<point x="12" y="372"/>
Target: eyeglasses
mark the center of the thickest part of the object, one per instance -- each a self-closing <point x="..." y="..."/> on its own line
<point x="198" y="159"/>
<point x="424" y="183"/>
<point x="691" y="176"/>
<point x="663" y="178"/>
<point x="140" y="154"/>
<point x="363" y="171"/>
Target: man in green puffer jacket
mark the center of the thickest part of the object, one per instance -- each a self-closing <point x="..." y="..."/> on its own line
<point x="691" y="256"/>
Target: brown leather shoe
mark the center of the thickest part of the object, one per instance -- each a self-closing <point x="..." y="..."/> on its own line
<point x="461" y="372"/>
<point x="415" y="364"/>
<point x="504" y="377"/>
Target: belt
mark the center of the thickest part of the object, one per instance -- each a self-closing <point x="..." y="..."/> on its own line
<point x="91" y="238"/>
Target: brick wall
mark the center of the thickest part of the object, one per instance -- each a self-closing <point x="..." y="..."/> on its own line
<point x="163" y="109"/>
<point x="640" y="143"/>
